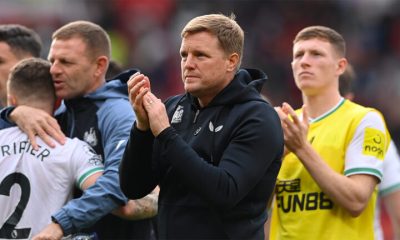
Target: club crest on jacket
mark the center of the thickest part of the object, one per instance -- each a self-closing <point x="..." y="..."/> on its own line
<point x="90" y="137"/>
<point x="177" y="117"/>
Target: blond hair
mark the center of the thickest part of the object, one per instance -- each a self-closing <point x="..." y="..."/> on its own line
<point x="230" y="35"/>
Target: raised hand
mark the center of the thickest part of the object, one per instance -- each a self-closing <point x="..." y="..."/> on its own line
<point x="294" y="129"/>
<point x="138" y="86"/>
<point x="157" y="114"/>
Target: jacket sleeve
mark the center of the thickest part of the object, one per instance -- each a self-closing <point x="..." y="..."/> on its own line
<point x="139" y="171"/>
<point x="5" y="122"/>
<point x="254" y="145"/>
<point x="136" y="176"/>
<point x="115" y="121"/>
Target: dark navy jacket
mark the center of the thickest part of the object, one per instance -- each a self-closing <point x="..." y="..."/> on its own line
<point x="216" y="166"/>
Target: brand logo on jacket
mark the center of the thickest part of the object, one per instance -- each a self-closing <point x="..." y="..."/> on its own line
<point x="120" y="144"/>
<point x="212" y="129"/>
<point x="177" y="117"/>
<point x="197" y="131"/>
<point x="90" y="137"/>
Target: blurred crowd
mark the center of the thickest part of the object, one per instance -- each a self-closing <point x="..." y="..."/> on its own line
<point x="145" y="35"/>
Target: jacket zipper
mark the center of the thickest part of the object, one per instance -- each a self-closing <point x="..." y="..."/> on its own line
<point x="71" y="123"/>
<point x="196" y="115"/>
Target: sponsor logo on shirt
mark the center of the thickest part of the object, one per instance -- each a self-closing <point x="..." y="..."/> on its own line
<point x="290" y="199"/>
<point x="374" y="143"/>
<point x="288" y="186"/>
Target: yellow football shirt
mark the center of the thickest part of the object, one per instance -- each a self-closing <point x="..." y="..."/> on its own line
<point x="301" y="209"/>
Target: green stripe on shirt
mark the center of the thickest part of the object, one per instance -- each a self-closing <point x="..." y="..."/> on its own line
<point x="369" y="171"/>
<point x="389" y="190"/>
<point x="87" y="174"/>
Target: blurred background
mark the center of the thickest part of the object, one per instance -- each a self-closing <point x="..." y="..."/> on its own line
<point x="145" y="34"/>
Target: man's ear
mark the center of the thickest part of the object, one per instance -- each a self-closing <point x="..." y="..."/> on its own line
<point x="233" y="61"/>
<point x="101" y="65"/>
<point x="341" y="67"/>
<point x="11" y="100"/>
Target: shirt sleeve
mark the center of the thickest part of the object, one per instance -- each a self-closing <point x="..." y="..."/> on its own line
<point x="136" y="166"/>
<point x="85" y="162"/>
<point x="115" y="121"/>
<point x="391" y="171"/>
<point x="5" y="122"/>
<point x="367" y="148"/>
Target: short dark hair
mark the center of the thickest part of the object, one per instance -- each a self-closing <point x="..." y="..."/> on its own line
<point x="30" y="80"/>
<point x="324" y="33"/>
<point x="22" y="40"/>
<point x="95" y="37"/>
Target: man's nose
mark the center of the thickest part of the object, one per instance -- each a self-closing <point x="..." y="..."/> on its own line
<point x="54" y="69"/>
<point x="189" y="62"/>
